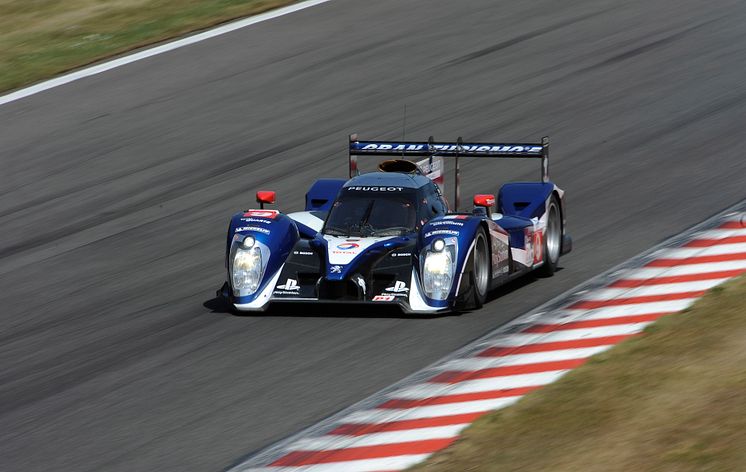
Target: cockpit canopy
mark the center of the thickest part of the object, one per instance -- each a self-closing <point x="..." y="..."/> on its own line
<point x="373" y="212"/>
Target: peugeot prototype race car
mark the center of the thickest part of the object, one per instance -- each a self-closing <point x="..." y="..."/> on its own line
<point x="388" y="237"/>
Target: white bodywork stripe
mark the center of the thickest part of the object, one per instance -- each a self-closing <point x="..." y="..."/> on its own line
<point x="260" y="301"/>
<point x="306" y="218"/>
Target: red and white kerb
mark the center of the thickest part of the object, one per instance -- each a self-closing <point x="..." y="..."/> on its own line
<point x="419" y="419"/>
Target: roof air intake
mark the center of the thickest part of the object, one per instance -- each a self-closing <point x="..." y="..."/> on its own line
<point x="399" y="165"/>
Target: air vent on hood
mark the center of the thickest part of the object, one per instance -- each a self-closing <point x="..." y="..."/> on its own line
<point x="399" y="165"/>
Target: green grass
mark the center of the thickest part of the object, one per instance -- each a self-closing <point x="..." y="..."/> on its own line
<point x="43" y="38"/>
<point x="673" y="399"/>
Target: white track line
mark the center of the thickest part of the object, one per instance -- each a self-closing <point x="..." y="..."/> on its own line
<point x="647" y="290"/>
<point x="429" y="390"/>
<point x="719" y="233"/>
<point x="479" y="378"/>
<point x="324" y="443"/>
<point x="387" y="415"/>
<point x="615" y="311"/>
<point x="694" y="251"/>
<point x="362" y="465"/>
<point x="523" y="339"/>
<point x="684" y="269"/>
<point x="479" y="363"/>
<point x="154" y="51"/>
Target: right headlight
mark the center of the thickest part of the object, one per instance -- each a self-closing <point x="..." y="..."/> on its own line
<point x="438" y="269"/>
<point x="247" y="269"/>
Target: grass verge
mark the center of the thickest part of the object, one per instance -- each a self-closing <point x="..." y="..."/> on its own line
<point x="673" y="399"/>
<point x="43" y="38"/>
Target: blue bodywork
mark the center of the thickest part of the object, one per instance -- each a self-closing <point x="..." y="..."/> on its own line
<point x="279" y="233"/>
<point x="393" y="179"/>
<point x="298" y="251"/>
<point x="322" y="193"/>
<point x="372" y="252"/>
<point x="459" y="231"/>
<point x="524" y="199"/>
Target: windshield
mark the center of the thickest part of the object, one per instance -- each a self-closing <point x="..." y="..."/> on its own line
<point x="365" y="214"/>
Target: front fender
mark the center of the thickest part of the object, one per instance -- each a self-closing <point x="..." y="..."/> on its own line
<point x="275" y="234"/>
<point x="455" y="230"/>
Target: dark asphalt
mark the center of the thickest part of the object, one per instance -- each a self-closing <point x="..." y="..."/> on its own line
<point x="116" y="191"/>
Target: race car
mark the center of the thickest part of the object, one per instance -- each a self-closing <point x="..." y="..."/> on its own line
<point x="388" y="237"/>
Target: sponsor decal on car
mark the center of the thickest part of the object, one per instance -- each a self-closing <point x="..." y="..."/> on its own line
<point x="290" y="284"/>
<point x="375" y="189"/>
<point x="290" y="287"/>
<point x="538" y="245"/>
<point x="432" y="168"/>
<point x="271" y="214"/>
<point x="446" y="222"/>
<point x="383" y="298"/>
<point x="394" y="147"/>
<point x="303" y="253"/>
<point x="455" y="217"/>
<point x="398" y="287"/>
<point x="401" y="254"/>
<point x="348" y="246"/>
<point x="263" y="221"/>
<point x="498" y="148"/>
<point x="252" y="228"/>
<point x="447" y="232"/>
<point x="336" y="269"/>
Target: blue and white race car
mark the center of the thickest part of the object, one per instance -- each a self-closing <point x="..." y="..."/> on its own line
<point x="388" y="237"/>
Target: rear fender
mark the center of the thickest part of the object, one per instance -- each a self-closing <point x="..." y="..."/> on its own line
<point x="525" y="199"/>
<point x="530" y="200"/>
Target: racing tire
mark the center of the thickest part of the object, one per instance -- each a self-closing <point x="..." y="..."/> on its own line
<point x="481" y="271"/>
<point x="552" y="241"/>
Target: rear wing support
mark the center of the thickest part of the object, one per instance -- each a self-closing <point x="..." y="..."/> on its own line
<point x="404" y="149"/>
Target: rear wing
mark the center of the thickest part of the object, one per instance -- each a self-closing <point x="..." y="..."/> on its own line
<point x="431" y="149"/>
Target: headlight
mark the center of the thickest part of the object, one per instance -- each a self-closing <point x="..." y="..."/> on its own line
<point x="247" y="269"/>
<point x="437" y="270"/>
<point x="248" y="242"/>
<point x="439" y="245"/>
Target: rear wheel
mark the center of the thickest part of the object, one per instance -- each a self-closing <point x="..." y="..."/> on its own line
<point x="481" y="271"/>
<point x="552" y="241"/>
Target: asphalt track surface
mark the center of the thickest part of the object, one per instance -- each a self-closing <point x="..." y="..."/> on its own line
<point x="116" y="191"/>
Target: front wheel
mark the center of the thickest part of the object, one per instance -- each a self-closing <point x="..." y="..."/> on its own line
<point x="552" y="241"/>
<point x="480" y="272"/>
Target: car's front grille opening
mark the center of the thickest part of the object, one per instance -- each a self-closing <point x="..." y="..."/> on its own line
<point x="308" y="278"/>
<point x="339" y="290"/>
<point x="380" y="282"/>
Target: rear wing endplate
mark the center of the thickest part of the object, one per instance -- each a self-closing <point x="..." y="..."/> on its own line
<point x="456" y="149"/>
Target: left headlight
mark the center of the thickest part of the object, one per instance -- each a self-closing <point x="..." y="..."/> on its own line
<point x="247" y="268"/>
<point x="438" y="269"/>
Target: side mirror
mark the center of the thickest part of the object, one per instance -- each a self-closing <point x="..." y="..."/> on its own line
<point x="485" y="201"/>
<point x="265" y="196"/>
